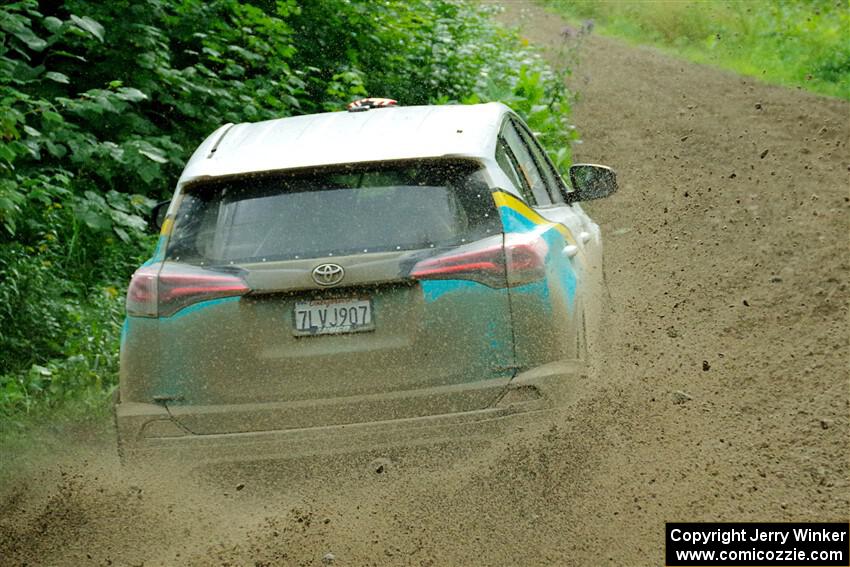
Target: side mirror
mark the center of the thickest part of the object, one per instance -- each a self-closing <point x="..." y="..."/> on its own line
<point x="592" y="181"/>
<point x="157" y="216"/>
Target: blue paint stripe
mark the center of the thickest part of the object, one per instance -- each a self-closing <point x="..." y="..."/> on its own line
<point x="199" y="306"/>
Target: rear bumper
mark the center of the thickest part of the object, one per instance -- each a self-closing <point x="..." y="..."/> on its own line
<point x="148" y="430"/>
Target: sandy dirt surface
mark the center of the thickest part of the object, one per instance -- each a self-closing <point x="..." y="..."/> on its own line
<point x="721" y="392"/>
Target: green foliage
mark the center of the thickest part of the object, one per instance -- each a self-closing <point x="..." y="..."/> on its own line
<point x="91" y="333"/>
<point x="102" y="103"/>
<point x="793" y="42"/>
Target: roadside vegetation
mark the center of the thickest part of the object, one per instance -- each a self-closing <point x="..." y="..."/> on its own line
<point x="792" y="42"/>
<point x="101" y="103"/>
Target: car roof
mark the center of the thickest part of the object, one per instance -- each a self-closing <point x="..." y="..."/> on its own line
<point x="378" y="134"/>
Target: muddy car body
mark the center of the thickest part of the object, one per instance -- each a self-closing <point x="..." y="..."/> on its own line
<point x="398" y="273"/>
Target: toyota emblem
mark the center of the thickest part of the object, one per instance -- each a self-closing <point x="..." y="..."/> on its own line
<point x="328" y="274"/>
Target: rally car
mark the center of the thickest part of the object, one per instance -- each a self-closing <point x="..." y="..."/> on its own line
<point x="322" y="278"/>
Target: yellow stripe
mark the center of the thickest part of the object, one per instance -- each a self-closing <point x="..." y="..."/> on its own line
<point x="168" y="223"/>
<point x="503" y="199"/>
<point x="166" y="226"/>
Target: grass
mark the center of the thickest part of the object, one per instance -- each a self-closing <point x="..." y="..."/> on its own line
<point x="803" y="43"/>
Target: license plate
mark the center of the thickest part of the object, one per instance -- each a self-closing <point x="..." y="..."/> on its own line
<point x="332" y="316"/>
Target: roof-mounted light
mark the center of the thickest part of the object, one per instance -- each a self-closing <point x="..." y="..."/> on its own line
<point x="371" y="102"/>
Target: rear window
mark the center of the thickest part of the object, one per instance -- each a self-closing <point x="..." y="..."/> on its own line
<point x="332" y="212"/>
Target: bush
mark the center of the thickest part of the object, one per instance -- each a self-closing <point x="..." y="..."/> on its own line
<point x="101" y="103"/>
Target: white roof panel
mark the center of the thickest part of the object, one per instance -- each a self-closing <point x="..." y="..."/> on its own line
<point x="379" y="134"/>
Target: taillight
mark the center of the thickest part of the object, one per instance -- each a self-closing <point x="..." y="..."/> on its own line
<point x="142" y="293"/>
<point x="521" y="260"/>
<point x="162" y="290"/>
<point x="526" y="258"/>
<point x="486" y="266"/>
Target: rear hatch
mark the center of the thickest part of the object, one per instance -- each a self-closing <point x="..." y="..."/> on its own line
<point x="359" y="293"/>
